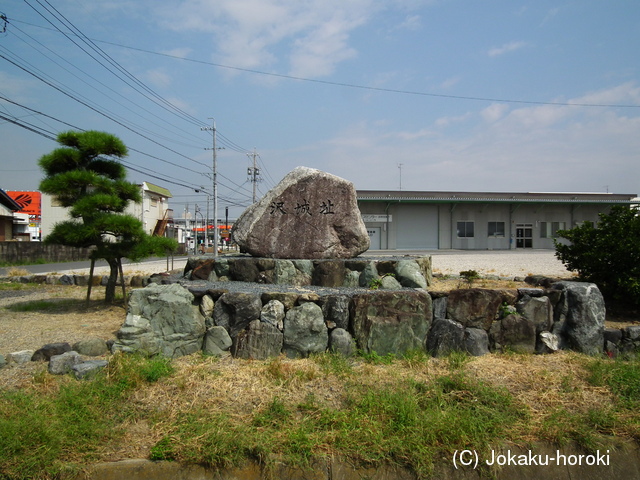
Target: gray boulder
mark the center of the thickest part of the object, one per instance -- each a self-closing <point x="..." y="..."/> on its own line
<point x="474" y="307"/>
<point x="216" y="341"/>
<point x="206" y="306"/>
<point x="516" y="333"/>
<point x="476" y="342"/>
<point x="62" y="364"/>
<point x="440" y="307"/>
<point x="351" y="279"/>
<point x="161" y="319"/>
<point x="335" y="308"/>
<point x="91" y="347"/>
<point x="341" y="341"/>
<point x="305" y="331"/>
<point x="88" y="368"/>
<point x="309" y="215"/>
<point x="445" y="336"/>
<point x="537" y="310"/>
<point x="328" y="273"/>
<point x="368" y="275"/>
<point x="21" y="357"/>
<point x="273" y="313"/>
<point x="389" y="282"/>
<point x="244" y="270"/>
<point x="550" y="342"/>
<point x="49" y="350"/>
<point x="259" y="341"/>
<point x="632" y="333"/>
<point x="285" y="273"/>
<point x="391" y="322"/>
<point x="235" y="310"/>
<point x="580" y="315"/>
<point x="410" y="274"/>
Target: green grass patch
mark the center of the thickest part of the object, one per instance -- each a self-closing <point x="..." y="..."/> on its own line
<point x="334" y="364"/>
<point x="375" y="358"/>
<point x="413" y="412"/>
<point x="42" y="434"/>
<point x="408" y="423"/>
<point x="621" y="376"/>
<point x="39" y="261"/>
<point x="50" y="306"/>
<point x="15" y="286"/>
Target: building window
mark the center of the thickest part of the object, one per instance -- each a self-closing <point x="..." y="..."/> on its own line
<point x="550" y="229"/>
<point x="496" y="229"/>
<point x="465" y="229"/>
<point x="154" y="201"/>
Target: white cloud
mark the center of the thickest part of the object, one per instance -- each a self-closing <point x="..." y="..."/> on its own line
<point x="450" y="82"/>
<point x="411" y="22"/>
<point x="447" y="121"/>
<point x="625" y="94"/>
<point x="506" y="48"/>
<point x="158" y="78"/>
<point x="530" y="148"/>
<point x="312" y="36"/>
<point x="425" y="132"/>
<point x="494" y="112"/>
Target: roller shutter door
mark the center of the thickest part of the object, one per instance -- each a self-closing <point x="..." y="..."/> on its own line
<point x="417" y="227"/>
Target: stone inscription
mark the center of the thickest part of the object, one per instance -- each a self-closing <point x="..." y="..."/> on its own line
<point x="325" y="208"/>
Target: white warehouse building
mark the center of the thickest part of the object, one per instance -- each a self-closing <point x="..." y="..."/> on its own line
<point x="413" y="220"/>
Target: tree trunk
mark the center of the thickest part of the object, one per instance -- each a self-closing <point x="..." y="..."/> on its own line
<point x="110" y="290"/>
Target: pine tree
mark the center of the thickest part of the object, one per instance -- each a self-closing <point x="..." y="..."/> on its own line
<point x="85" y="176"/>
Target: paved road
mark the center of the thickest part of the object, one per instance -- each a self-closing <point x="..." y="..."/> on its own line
<point x="156" y="264"/>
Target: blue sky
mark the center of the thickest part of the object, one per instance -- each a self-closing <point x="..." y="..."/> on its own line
<point x="494" y="95"/>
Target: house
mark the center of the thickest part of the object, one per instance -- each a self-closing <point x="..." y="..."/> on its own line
<point x="153" y="212"/>
<point x="7" y="208"/>
<point x="26" y="222"/>
<point x="416" y="220"/>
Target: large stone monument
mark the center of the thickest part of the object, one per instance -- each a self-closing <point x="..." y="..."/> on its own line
<point x="310" y="214"/>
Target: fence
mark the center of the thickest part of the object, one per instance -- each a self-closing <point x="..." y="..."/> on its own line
<point x="32" y="252"/>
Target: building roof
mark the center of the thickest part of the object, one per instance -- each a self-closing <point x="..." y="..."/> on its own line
<point x="8" y="202"/>
<point x="493" y="197"/>
<point x="150" y="187"/>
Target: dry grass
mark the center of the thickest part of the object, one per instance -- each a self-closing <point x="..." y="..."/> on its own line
<point x="554" y="390"/>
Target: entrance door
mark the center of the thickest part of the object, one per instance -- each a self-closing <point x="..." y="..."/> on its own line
<point x="374" y="236"/>
<point x="524" y="235"/>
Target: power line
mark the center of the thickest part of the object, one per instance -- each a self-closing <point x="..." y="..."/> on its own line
<point x="92" y="46"/>
<point x="94" y="81"/>
<point x="30" y="127"/>
<point x="378" y="89"/>
<point x="95" y="109"/>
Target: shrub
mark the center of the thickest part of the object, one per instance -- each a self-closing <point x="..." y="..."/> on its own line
<point x="607" y="254"/>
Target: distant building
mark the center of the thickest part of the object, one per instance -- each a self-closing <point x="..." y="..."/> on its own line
<point x="413" y="220"/>
<point x="8" y="207"/>
<point x="27" y="220"/>
<point x="153" y="212"/>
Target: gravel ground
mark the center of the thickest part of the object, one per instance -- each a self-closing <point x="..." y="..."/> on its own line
<point x="503" y="263"/>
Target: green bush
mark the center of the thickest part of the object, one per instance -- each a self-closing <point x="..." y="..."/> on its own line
<point x="607" y="254"/>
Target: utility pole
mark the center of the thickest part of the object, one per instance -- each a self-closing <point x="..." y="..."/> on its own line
<point x="400" y="168"/>
<point x="253" y="172"/>
<point x="215" y="186"/>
